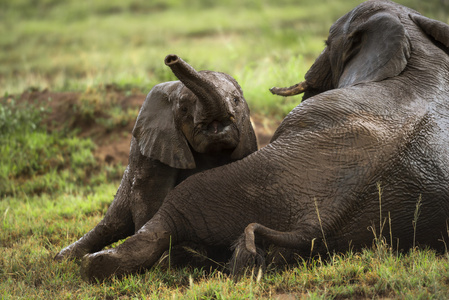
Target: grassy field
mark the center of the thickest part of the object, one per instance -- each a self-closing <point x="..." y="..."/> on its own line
<point x="53" y="189"/>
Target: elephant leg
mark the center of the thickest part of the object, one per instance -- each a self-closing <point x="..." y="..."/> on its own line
<point x="152" y="182"/>
<point x="144" y="185"/>
<point x="117" y="224"/>
<point x="246" y="253"/>
<point x="139" y="252"/>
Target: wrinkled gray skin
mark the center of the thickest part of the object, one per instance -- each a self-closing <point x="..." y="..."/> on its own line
<point x="376" y="110"/>
<point x="186" y="126"/>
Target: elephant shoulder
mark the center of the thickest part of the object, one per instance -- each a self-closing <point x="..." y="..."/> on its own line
<point x="321" y="111"/>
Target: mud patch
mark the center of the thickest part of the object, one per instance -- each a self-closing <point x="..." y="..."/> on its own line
<point x="112" y="143"/>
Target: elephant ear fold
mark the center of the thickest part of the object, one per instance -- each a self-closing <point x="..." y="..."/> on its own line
<point x="248" y="141"/>
<point x="436" y="29"/>
<point x="156" y="132"/>
<point x="319" y="76"/>
<point x="380" y="49"/>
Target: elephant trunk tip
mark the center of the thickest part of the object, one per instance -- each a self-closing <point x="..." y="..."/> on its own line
<point x="290" y="91"/>
<point x="171" y="59"/>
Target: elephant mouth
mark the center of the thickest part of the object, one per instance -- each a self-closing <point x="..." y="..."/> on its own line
<point x="217" y="136"/>
<point x="218" y="129"/>
<point x="215" y="127"/>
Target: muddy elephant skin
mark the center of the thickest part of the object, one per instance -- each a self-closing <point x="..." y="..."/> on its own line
<point x="199" y="122"/>
<point x="375" y="111"/>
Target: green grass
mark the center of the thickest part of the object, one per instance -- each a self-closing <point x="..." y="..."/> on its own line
<point x="35" y="161"/>
<point x="33" y="230"/>
<point x="53" y="190"/>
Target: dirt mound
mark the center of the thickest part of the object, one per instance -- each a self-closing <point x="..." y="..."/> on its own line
<point x="65" y="110"/>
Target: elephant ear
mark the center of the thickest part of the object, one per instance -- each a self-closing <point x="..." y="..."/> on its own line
<point x="156" y="132"/>
<point x="380" y="49"/>
<point x="436" y="29"/>
<point x="248" y="141"/>
<point x="319" y="77"/>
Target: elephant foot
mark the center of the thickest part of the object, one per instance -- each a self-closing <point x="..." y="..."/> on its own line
<point x="73" y="251"/>
<point x="100" y="266"/>
<point x="137" y="253"/>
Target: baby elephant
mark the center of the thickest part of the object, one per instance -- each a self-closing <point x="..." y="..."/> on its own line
<point x="184" y="127"/>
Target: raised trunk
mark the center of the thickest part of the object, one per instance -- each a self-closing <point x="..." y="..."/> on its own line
<point x="203" y="88"/>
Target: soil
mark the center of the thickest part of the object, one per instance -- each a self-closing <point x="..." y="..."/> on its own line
<point x="112" y="144"/>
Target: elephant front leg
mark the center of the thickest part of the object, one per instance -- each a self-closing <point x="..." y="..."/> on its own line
<point x="137" y="253"/>
<point x="99" y="237"/>
<point x="144" y="185"/>
<point x="117" y="224"/>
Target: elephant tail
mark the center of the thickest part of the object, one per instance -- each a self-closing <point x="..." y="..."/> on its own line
<point x="244" y="259"/>
<point x="247" y="254"/>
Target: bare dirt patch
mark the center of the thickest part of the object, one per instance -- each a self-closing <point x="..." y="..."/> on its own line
<point x="112" y="143"/>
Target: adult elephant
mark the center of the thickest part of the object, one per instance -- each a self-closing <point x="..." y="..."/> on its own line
<point x="376" y="110"/>
<point x="197" y="123"/>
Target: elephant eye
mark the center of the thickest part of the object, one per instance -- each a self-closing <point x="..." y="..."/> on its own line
<point x="236" y="100"/>
<point x="356" y="38"/>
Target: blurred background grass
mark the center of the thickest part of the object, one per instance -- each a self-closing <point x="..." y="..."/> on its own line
<point x="73" y="45"/>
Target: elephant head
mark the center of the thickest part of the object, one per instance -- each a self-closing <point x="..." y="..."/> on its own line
<point x="203" y="112"/>
<point x="377" y="113"/>
<point x="369" y="44"/>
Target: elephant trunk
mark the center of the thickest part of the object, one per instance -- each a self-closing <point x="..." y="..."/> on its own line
<point x="290" y="91"/>
<point x="203" y="88"/>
